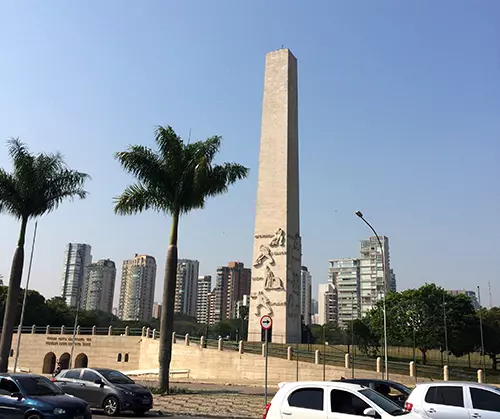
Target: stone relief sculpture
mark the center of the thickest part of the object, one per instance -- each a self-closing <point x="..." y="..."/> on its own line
<point x="265" y="254"/>
<point x="263" y="304"/>
<point x="278" y="239"/>
<point x="272" y="282"/>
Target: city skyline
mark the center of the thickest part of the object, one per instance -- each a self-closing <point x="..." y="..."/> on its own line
<point x="404" y="105"/>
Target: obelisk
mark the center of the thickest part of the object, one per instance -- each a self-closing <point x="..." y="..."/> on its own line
<point x="275" y="286"/>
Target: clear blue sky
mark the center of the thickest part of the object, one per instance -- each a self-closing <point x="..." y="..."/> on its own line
<point x="399" y="117"/>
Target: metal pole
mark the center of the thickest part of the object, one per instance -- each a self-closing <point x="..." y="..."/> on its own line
<point x="297" y="368"/>
<point x="481" y="329"/>
<point x="360" y="215"/>
<point x="265" y="368"/>
<point x="19" y="330"/>
<point x="324" y="352"/>
<point x="445" y="327"/>
<point x="79" y="254"/>
<point x="352" y="336"/>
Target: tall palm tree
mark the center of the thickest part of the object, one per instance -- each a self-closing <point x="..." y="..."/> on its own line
<point x="37" y="185"/>
<point x="174" y="179"/>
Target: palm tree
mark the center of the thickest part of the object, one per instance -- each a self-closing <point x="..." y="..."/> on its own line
<point x="174" y="179"/>
<point x="37" y="185"/>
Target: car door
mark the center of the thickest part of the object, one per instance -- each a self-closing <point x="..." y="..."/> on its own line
<point x="91" y="392"/>
<point x="10" y="407"/>
<point x="445" y="402"/>
<point x="346" y="405"/>
<point x="485" y="404"/>
<point x="304" y="403"/>
<point x="70" y="383"/>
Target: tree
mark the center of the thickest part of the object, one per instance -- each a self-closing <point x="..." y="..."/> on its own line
<point x="37" y="185"/>
<point x="491" y="330"/>
<point x="174" y="180"/>
<point x="364" y="337"/>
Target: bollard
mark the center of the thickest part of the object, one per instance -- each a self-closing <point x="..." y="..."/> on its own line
<point x="77" y="330"/>
<point x="446" y="373"/>
<point x="186" y="339"/>
<point x="412" y="369"/>
<point x="480" y="376"/>
<point x="316" y="356"/>
<point x="127" y="330"/>
<point x="289" y="353"/>
<point x="154" y="333"/>
<point x="220" y="344"/>
<point x="62" y="330"/>
<point x="379" y="364"/>
<point x="174" y="338"/>
<point x="241" y="347"/>
<point x="33" y="329"/>
<point x="47" y="330"/>
<point x="347" y="359"/>
<point x="148" y="332"/>
<point x="143" y="332"/>
<point x="202" y="342"/>
<point x="110" y="330"/>
<point x="94" y="329"/>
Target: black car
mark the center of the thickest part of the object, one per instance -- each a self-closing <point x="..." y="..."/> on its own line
<point x="29" y="396"/>
<point x="106" y="389"/>
<point x="394" y="391"/>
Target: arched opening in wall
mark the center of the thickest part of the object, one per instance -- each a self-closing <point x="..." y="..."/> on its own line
<point x="81" y="361"/>
<point x="126" y="357"/>
<point x="49" y="363"/>
<point x="64" y="360"/>
<point x="119" y="359"/>
<point x="11" y="354"/>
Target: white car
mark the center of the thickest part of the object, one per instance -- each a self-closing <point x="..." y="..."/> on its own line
<point x="454" y="400"/>
<point x="330" y="400"/>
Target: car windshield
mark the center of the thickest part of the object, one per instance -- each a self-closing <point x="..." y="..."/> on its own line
<point x="38" y="386"/>
<point x="383" y="402"/>
<point x="115" y="377"/>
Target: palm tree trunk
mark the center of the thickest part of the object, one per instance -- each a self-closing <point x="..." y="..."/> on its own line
<point x="16" y="273"/>
<point x="168" y="302"/>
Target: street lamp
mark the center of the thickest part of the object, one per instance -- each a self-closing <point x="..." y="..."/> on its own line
<point x="360" y="215"/>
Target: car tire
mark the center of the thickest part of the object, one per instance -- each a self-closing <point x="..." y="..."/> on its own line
<point x="111" y="406"/>
<point x="140" y="412"/>
<point x="32" y="416"/>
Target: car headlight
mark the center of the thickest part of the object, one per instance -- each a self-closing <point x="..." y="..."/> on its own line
<point x="129" y="393"/>
<point x="59" y="411"/>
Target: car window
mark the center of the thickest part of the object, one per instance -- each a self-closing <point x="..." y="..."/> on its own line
<point x="445" y="395"/>
<point x="307" y="398"/>
<point x="381" y="401"/>
<point x="115" y="377"/>
<point x="344" y="402"/>
<point x="38" y="386"/>
<point x="72" y="374"/>
<point x="7" y="387"/>
<point x="485" y="400"/>
<point x="90" y="376"/>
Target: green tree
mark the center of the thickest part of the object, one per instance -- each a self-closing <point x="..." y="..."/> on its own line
<point x="174" y="180"/>
<point x="491" y="331"/>
<point x="364" y="337"/>
<point x="36" y="186"/>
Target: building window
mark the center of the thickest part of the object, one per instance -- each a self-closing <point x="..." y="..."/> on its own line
<point x="126" y="357"/>
<point x="119" y="359"/>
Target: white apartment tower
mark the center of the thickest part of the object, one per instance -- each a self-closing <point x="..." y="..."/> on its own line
<point x="100" y="286"/>
<point x="137" y="288"/>
<point x="186" y="290"/>
<point x="374" y="280"/>
<point x="202" y="300"/>
<point x="327" y="304"/>
<point x="305" y="295"/>
<point x="344" y="275"/>
<point x="77" y="257"/>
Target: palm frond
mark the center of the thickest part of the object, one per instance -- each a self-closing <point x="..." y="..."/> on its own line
<point x="9" y="195"/>
<point x="137" y="198"/>
<point x="142" y="162"/>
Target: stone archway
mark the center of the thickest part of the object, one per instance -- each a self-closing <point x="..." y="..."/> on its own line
<point x="64" y="360"/>
<point x="49" y="363"/>
<point x="81" y="361"/>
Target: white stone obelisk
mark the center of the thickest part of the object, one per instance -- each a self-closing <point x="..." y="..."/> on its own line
<point x="275" y="287"/>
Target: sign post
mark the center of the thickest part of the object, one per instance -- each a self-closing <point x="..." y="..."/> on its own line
<point x="266" y="322"/>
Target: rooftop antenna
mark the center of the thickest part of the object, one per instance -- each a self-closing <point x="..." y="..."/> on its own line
<point x="489" y="290"/>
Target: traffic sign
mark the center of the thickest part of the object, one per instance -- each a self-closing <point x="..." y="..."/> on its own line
<point x="266" y="322"/>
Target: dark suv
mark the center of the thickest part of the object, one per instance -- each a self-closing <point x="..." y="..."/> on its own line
<point x="106" y="389"/>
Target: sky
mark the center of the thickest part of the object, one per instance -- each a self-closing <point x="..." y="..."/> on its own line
<point x="399" y="107"/>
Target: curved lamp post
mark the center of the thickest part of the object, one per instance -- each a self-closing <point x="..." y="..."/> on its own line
<point x="360" y="215"/>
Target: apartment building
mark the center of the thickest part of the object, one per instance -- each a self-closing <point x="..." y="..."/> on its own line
<point x="100" y="286"/>
<point x="77" y="257"/>
<point x="202" y="301"/>
<point x="327" y="304"/>
<point x="344" y="276"/>
<point x="186" y="291"/>
<point x="305" y="295"/>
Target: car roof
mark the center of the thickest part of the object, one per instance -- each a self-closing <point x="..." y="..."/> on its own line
<point x="19" y="375"/>
<point x="460" y="383"/>
<point x="332" y="384"/>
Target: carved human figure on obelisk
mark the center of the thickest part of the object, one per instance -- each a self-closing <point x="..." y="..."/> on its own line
<point x="275" y="286"/>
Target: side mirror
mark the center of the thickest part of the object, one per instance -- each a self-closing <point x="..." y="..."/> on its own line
<point x="17" y="395"/>
<point x="99" y="382"/>
<point x="371" y="412"/>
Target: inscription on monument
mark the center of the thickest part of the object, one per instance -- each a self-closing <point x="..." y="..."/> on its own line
<point x="65" y="341"/>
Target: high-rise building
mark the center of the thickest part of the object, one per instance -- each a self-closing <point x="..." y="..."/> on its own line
<point x="392" y="281"/>
<point x="77" y="257"/>
<point x="187" y="285"/>
<point x="314" y="306"/>
<point x="344" y="275"/>
<point x="470" y="294"/>
<point x="100" y="286"/>
<point x="137" y="288"/>
<point x="231" y="284"/>
<point x="242" y="307"/>
<point x="202" y="301"/>
<point x="327" y="304"/>
<point x="374" y="280"/>
<point x="156" y="310"/>
<point x="305" y="295"/>
<point x="212" y="297"/>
